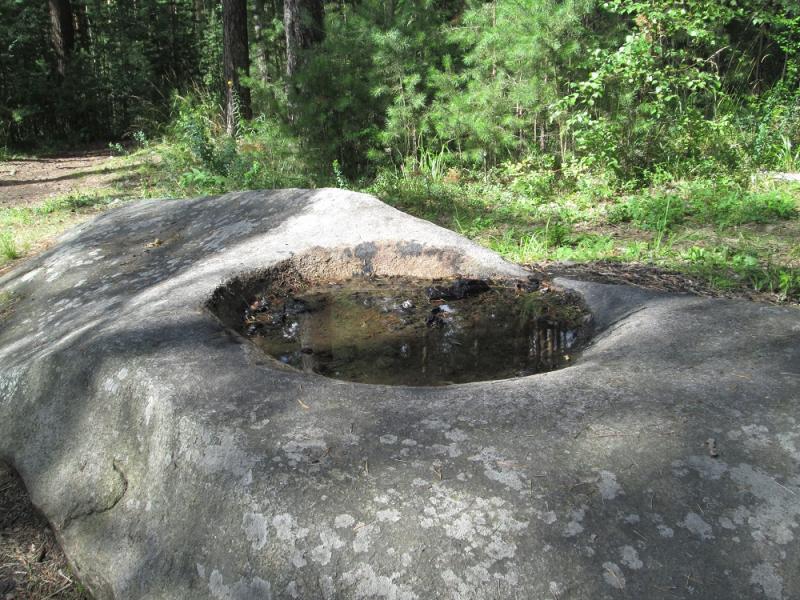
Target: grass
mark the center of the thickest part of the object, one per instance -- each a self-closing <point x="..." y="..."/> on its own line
<point x="26" y="229"/>
<point x="7" y="301"/>
<point x="8" y="246"/>
<point x="731" y="234"/>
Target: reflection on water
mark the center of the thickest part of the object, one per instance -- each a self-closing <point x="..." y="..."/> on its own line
<point x="413" y="332"/>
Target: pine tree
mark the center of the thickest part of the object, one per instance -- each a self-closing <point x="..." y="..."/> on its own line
<point x="62" y="33"/>
<point x="235" y="59"/>
<point x="304" y="22"/>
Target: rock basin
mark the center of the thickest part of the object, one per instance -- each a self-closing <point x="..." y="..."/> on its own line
<point x="176" y="460"/>
<point x="404" y="331"/>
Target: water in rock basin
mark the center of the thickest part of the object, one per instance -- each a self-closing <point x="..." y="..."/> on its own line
<point x="414" y="332"/>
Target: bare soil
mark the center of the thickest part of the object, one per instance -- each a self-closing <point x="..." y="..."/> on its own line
<point x="28" y="181"/>
<point x="648" y="277"/>
<point x="32" y="565"/>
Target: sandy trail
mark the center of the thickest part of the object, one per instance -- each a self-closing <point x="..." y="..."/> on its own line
<point x="28" y="181"/>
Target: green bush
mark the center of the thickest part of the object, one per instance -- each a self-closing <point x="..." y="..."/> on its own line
<point x="722" y="205"/>
<point x="8" y="246"/>
<point x="654" y="212"/>
<point x="725" y="208"/>
<point x="726" y="267"/>
<point x="202" y="158"/>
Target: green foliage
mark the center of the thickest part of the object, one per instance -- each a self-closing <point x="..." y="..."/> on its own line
<point x="726" y="267"/>
<point x="725" y="208"/>
<point x="657" y="212"/>
<point x="126" y="58"/>
<point x="671" y="90"/>
<point x="202" y="158"/>
<point x="7" y="302"/>
<point x="8" y="246"/>
<point x="492" y="95"/>
<point x="341" y="182"/>
<point x="625" y="92"/>
<point x="720" y="205"/>
<point x="532" y="126"/>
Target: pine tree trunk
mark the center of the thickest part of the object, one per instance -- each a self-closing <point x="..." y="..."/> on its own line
<point x="304" y="22"/>
<point x="62" y="33"/>
<point x="235" y="59"/>
<point x="82" y="34"/>
<point x="258" y="32"/>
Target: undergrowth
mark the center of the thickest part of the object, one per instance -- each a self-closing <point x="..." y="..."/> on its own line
<point x="23" y="228"/>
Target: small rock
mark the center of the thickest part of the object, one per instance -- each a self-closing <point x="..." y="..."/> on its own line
<point x="711" y="443"/>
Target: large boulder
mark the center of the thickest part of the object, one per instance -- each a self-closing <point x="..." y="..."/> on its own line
<point x="173" y="460"/>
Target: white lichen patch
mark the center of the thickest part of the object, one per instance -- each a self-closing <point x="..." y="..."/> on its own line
<point x="299" y="559"/>
<point x="664" y="531"/>
<point x="255" y="529"/>
<point x="322" y="553"/>
<point x="765" y="577"/>
<point x="484" y="524"/>
<point x="363" y="582"/>
<point x="499" y="549"/>
<point x="388" y="439"/>
<point x="244" y="588"/>
<point x="390" y="515"/>
<point x="364" y="535"/>
<point x="555" y="588"/>
<point x="451" y="450"/>
<point x="498" y="468"/>
<point x="455" y="435"/>
<point x="549" y="517"/>
<point x="226" y="454"/>
<point x="608" y="486"/>
<point x="630" y="557"/>
<point x="479" y="577"/>
<point x="286" y="528"/>
<point x="631" y="519"/>
<point x="343" y="520"/>
<point x="789" y="443"/>
<point x="434" y="423"/>
<point x="775" y="518"/>
<point x="303" y="444"/>
<point x="679" y="468"/>
<point x="613" y="575"/>
<point x="574" y="526"/>
<point x="755" y="437"/>
<point x="696" y="525"/>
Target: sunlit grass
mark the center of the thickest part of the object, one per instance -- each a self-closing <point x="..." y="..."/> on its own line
<point x="27" y="228"/>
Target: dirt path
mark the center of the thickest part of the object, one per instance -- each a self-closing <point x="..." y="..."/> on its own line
<point x="28" y="181"/>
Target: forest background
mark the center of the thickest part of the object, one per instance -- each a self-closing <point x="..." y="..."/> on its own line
<point x="658" y="132"/>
